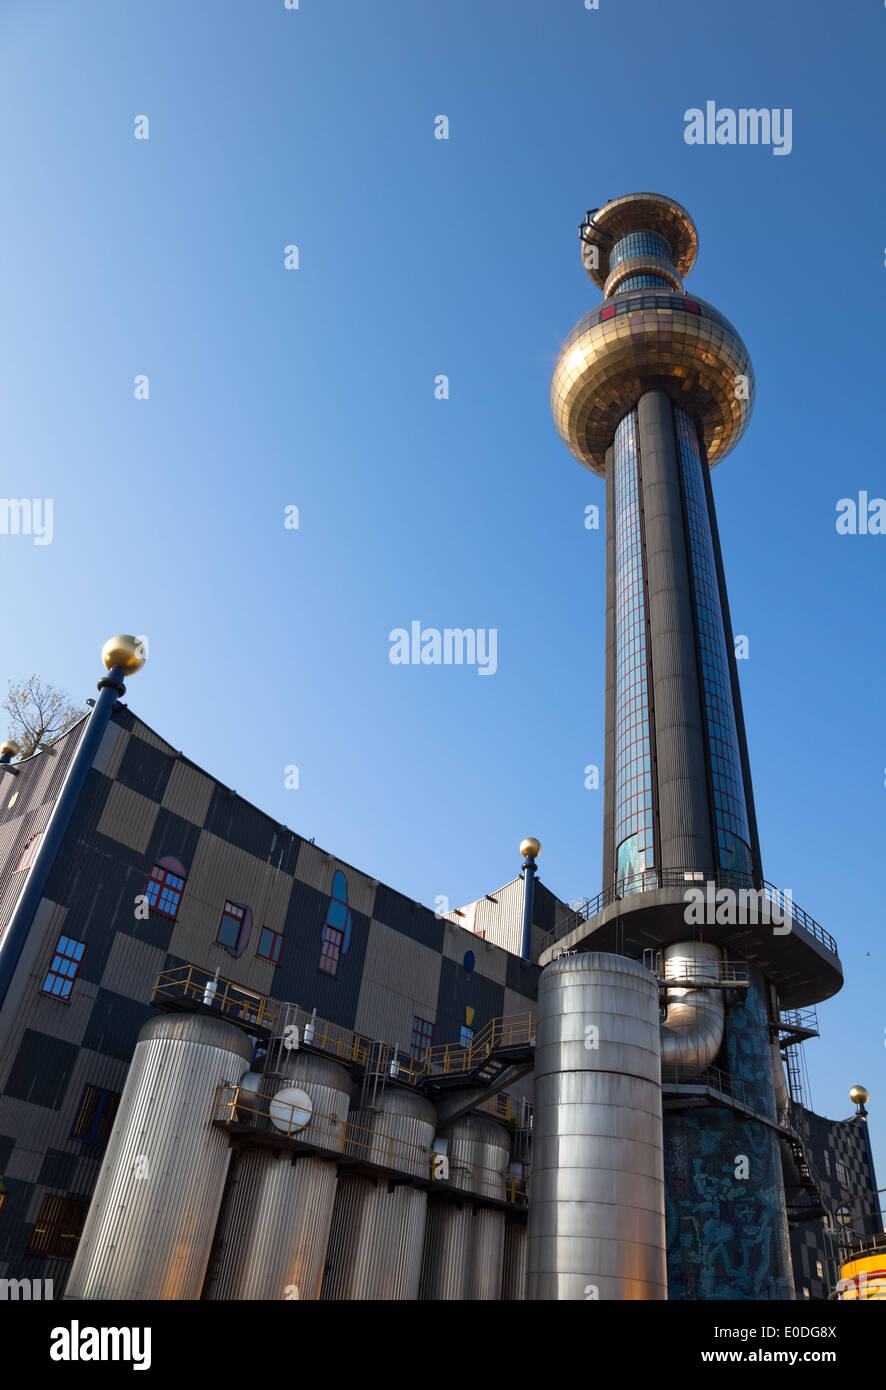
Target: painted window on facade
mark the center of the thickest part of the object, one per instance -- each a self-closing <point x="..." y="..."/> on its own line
<point x="95" y="1115"/>
<point x="270" y="944"/>
<point x="165" y="887"/>
<point x="58" y="1228"/>
<point x="63" y="971"/>
<point x="422" y="1034"/>
<point x="330" y="950"/>
<point x="230" y="928"/>
<point x="336" y="934"/>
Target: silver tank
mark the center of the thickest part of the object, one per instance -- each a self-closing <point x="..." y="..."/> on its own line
<point x="378" y="1227"/>
<point x="513" y="1268"/>
<point x="464" y="1243"/>
<point x="596" y="1191"/>
<point x="274" y="1228"/>
<point x="149" y="1228"/>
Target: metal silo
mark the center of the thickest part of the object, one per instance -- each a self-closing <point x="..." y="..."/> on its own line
<point x="378" y="1226"/>
<point x="274" y="1227"/>
<point x="596" y="1190"/>
<point x="149" y="1229"/>
<point x="464" y="1242"/>
<point x="513" y="1265"/>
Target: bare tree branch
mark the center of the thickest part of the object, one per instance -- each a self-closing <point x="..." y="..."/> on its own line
<point x="38" y="713"/>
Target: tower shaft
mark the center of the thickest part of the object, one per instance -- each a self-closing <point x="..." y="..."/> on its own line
<point x="677" y="795"/>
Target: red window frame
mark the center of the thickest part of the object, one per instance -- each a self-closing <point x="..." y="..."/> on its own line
<point x="237" y="913"/>
<point x="167" y="891"/>
<point x="276" y="945"/>
<point x="422" y="1038"/>
<point x="26" y="858"/>
<point x="65" y="967"/>
<point x="608" y="312"/>
<point x="58" y="1227"/>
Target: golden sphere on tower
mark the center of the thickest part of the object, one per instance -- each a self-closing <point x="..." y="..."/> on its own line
<point x="11" y="747"/>
<point x="125" y="652"/>
<point x="530" y="848"/>
<point x="858" y="1095"/>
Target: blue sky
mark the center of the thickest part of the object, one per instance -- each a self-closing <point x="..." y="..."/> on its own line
<point x="315" y="388"/>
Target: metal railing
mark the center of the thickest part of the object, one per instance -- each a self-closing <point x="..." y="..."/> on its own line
<point x="652" y="880"/>
<point x="297" y="1028"/>
<point x="450" y="1059"/>
<point x="203" y="987"/>
<point x="712" y="1077"/>
<point x="236" y="1106"/>
<point x="710" y="974"/>
<point x="801" y="1018"/>
<point x="508" y="1109"/>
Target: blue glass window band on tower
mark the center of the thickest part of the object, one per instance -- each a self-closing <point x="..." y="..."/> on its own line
<point x="633" y="760"/>
<point x="730" y="809"/>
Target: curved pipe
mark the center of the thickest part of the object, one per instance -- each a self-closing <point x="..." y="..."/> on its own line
<point x="693" y="1033"/>
<point x="782" y="1094"/>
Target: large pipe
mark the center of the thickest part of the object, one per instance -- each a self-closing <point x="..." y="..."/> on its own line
<point x="692" y="1035"/>
<point x="779" y="1081"/>
<point x="596" y="1195"/>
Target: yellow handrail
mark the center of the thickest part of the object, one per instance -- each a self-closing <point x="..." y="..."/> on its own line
<point x="446" y="1059"/>
<point x="358" y="1141"/>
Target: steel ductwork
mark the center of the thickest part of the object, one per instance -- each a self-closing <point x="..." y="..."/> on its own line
<point x="692" y="1035"/>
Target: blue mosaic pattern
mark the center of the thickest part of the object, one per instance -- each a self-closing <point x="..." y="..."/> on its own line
<point x="727" y="1237"/>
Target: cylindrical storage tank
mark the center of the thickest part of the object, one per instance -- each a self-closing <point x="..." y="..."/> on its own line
<point x="274" y="1227"/>
<point x="464" y="1243"/>
<point x="396" y="1132"/>
<point x="378" y="1226"/>
<point x="513" y="1267"/>
<point x="479" y="1154"/>
<point x="149" y="1228"/>
<point x="596" y="1188"/>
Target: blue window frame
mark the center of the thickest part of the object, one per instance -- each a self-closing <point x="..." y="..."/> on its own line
<point x="95" y="1115"/>
<point x="62" y="973"/>
<point x="465" y="1035"/>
